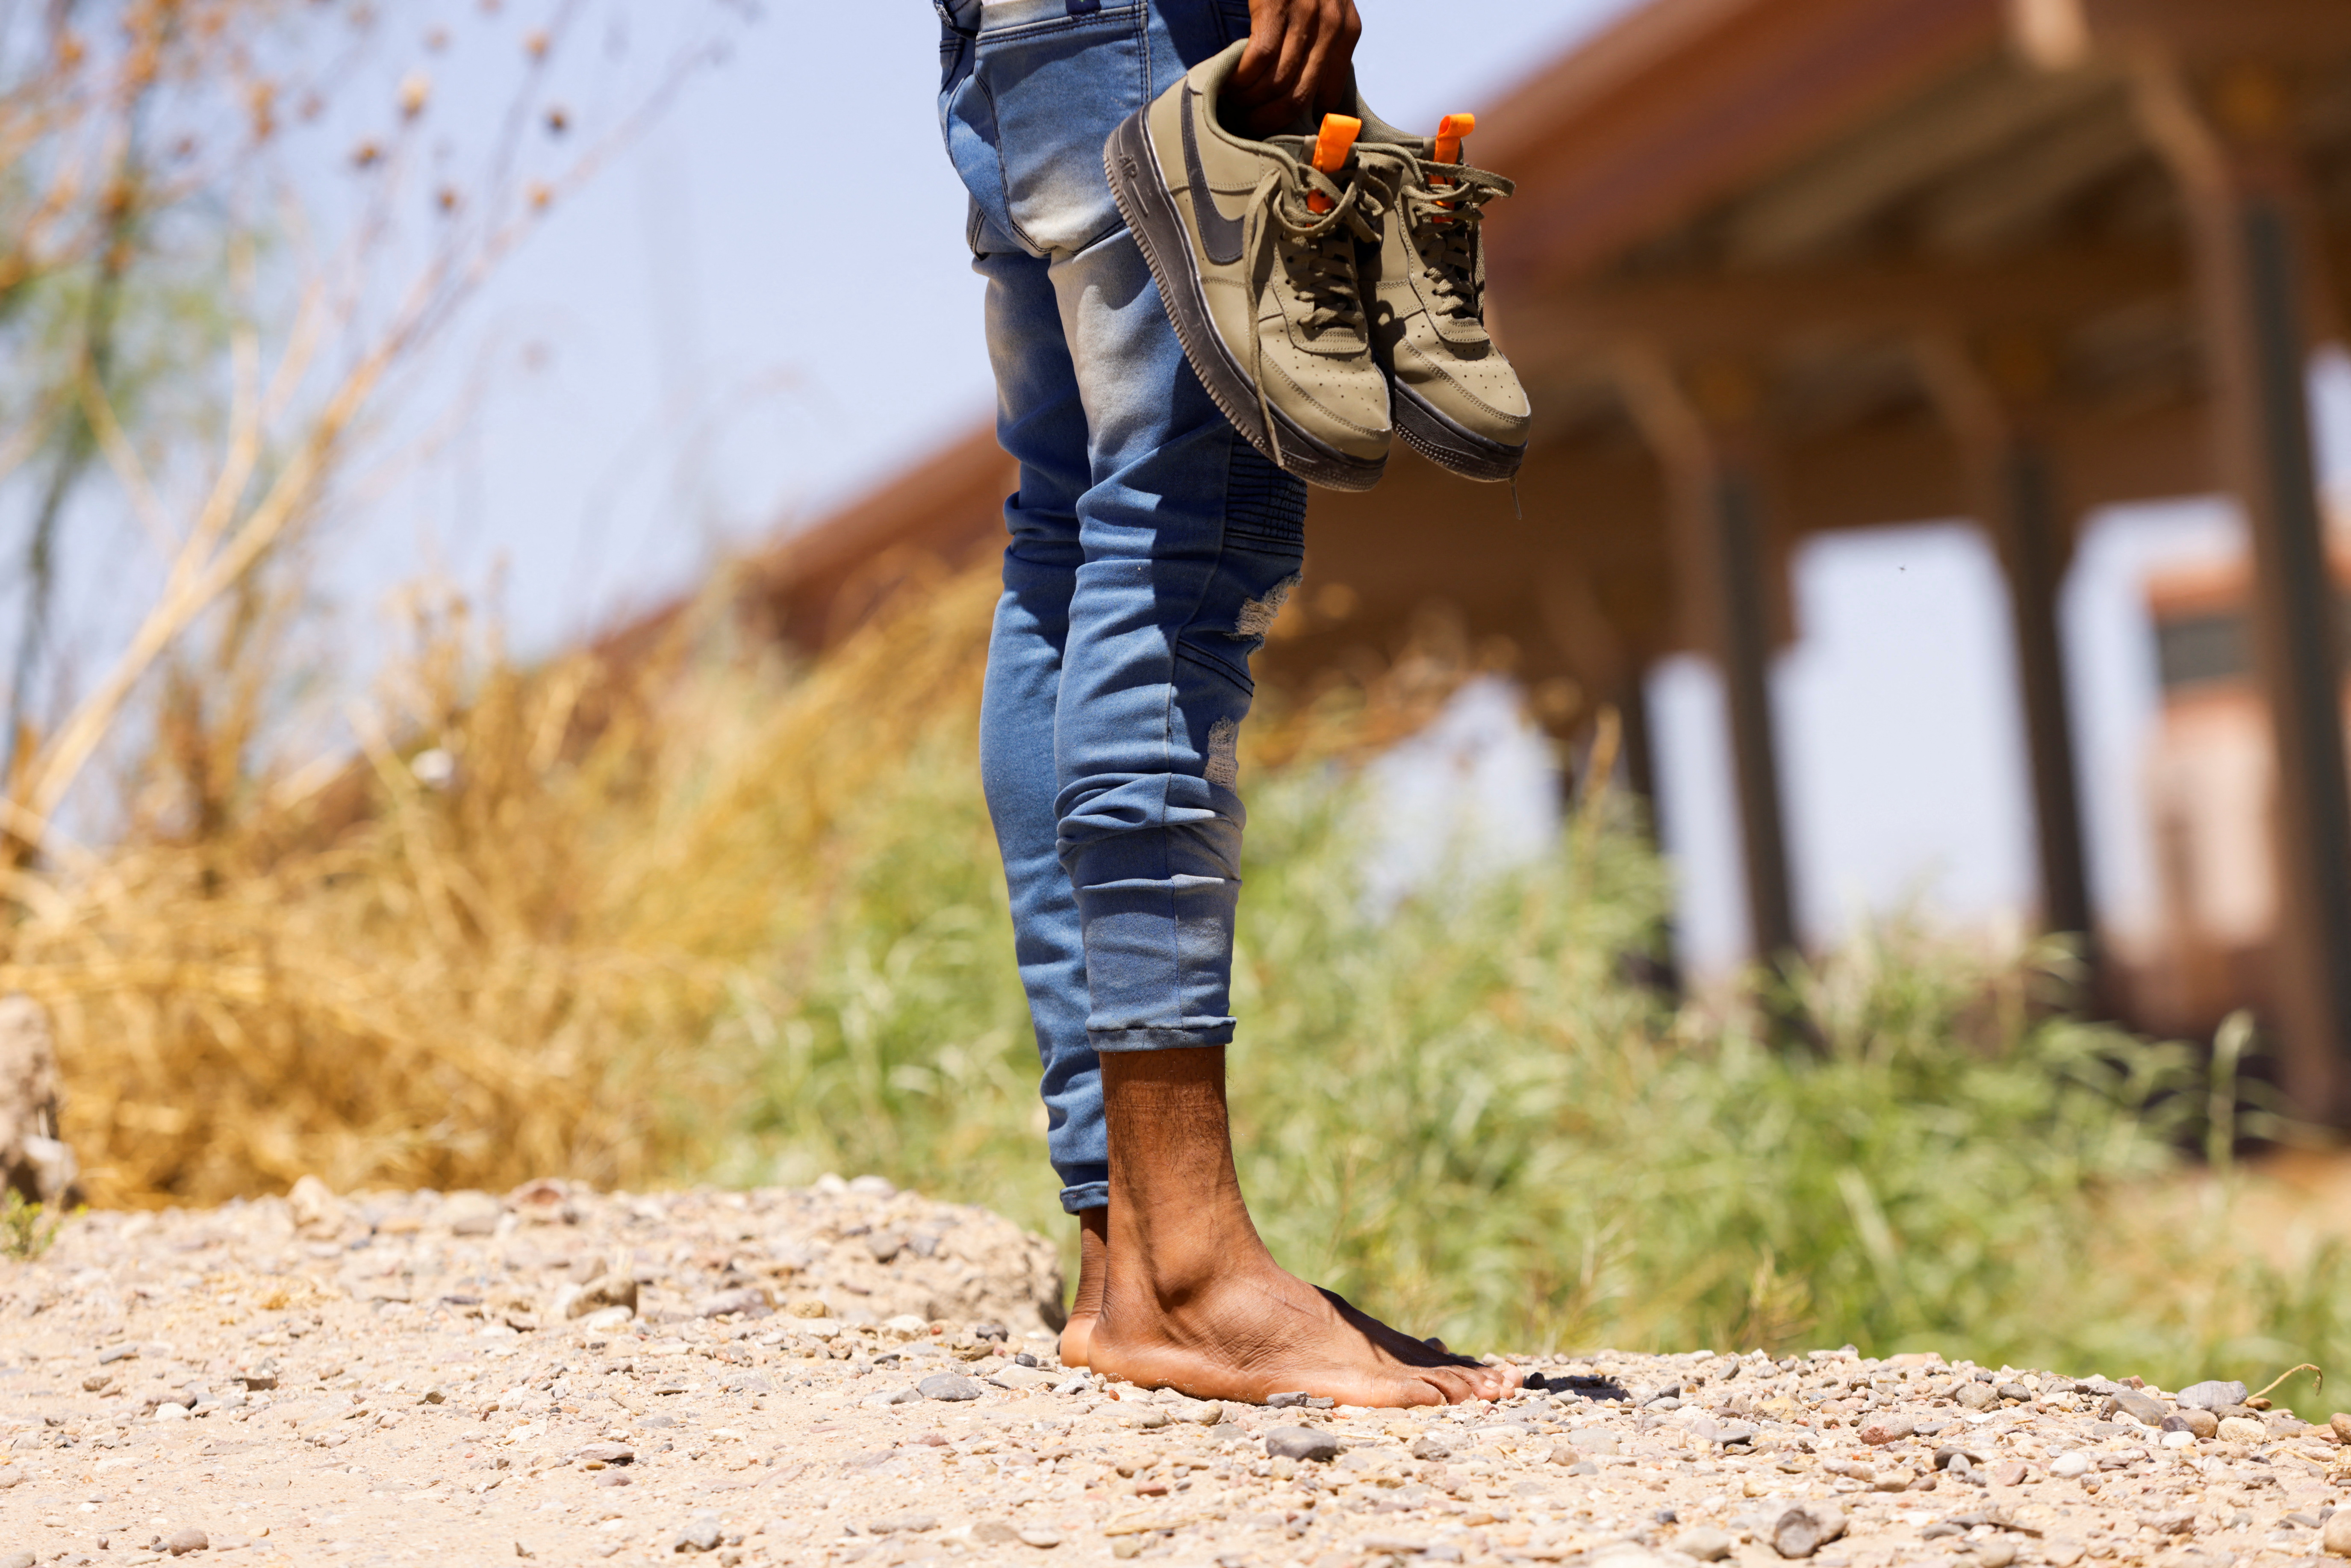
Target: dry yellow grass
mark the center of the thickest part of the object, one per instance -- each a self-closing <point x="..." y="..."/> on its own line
<point x="343" y="967"/>
<point x="505" y="977"/>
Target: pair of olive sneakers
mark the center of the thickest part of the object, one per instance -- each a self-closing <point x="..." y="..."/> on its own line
<point x="1328" y="290"/>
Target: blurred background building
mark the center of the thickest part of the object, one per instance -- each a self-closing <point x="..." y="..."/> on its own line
<point x="1781" y="269"/>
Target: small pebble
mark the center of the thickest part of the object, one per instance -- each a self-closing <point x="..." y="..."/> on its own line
<point x="1800" y="1531"/>
<point x="182" y="1542"/>
<point x="1706" y="1545"/>
<point x="469" y="1214"/>
<point x="701" y="1535"/>
<point x="902" y="1524"/>
<point x="2214" y="1396"/>
<point x="1300" y="1443"/>
<point x="948" y="1385"/>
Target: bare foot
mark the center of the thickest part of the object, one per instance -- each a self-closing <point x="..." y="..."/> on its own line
<point x="1093" y="1230"/>
<point x="1193" y="1301"/>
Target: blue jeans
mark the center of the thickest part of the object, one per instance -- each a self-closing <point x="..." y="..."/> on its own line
<point x="1150" y="547"/>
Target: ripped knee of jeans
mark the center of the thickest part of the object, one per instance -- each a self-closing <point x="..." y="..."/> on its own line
<point x="1258" y="615"/>
<point x="1224" y="753"/>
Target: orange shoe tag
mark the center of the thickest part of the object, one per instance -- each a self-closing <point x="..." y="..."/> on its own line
<point x="1449" y="132"/>
<point x="1331" y="149"/>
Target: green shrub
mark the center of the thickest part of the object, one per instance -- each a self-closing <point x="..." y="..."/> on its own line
<point x="1465" y="1116"/>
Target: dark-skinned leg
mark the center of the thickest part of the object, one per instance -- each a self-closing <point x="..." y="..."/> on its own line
<point x="1093" y="1264"/>
<point x="1192" y="1298"/>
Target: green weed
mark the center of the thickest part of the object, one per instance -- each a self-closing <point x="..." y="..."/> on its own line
<point x="26" y="1228"/>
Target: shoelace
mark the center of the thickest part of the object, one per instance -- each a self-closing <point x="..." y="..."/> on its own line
<point x="1443" y="221"/>
<point x="1322" y="273"/>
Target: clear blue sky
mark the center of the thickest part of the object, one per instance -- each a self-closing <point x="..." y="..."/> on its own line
<point x="765" y="306"/>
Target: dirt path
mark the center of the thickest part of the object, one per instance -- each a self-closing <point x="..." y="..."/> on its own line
<point x="842" y="1375"/>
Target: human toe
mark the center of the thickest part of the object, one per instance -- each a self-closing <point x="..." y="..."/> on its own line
<point x="1459" y="1387"/>
<point x="1488" y="1381"/>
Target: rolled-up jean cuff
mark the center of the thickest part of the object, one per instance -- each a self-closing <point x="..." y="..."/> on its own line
<point x="1105" y="1040"/>
<point x="1085" y="1195"/>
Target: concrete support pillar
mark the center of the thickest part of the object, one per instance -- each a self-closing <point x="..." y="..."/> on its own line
<point x="1632" y="700"/>
<point x="1990" y="395"/>
<point x="1703" y="426"/>
<point x="1663" y="971"/>
<point x="2228" y="137"/>
<point x="2032" y="547"/>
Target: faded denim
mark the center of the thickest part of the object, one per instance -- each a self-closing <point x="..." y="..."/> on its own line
<point x="1150" y="547"/>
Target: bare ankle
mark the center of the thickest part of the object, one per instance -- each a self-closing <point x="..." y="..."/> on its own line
<point x="1085" y="1305"/>
<point x="1193" y="1300"/>
<point x="1093" y="1263"/>
<point x="1177" y="1215"/>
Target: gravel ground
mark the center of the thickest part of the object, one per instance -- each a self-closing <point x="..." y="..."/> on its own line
<point x="849" y="1375"/>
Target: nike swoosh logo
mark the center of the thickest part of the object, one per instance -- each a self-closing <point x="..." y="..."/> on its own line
<point x="1220" y="236"/>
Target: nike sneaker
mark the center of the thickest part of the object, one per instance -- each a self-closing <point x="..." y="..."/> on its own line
<point x="1256" y="245"/>
<point x="1458" y="400"/>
